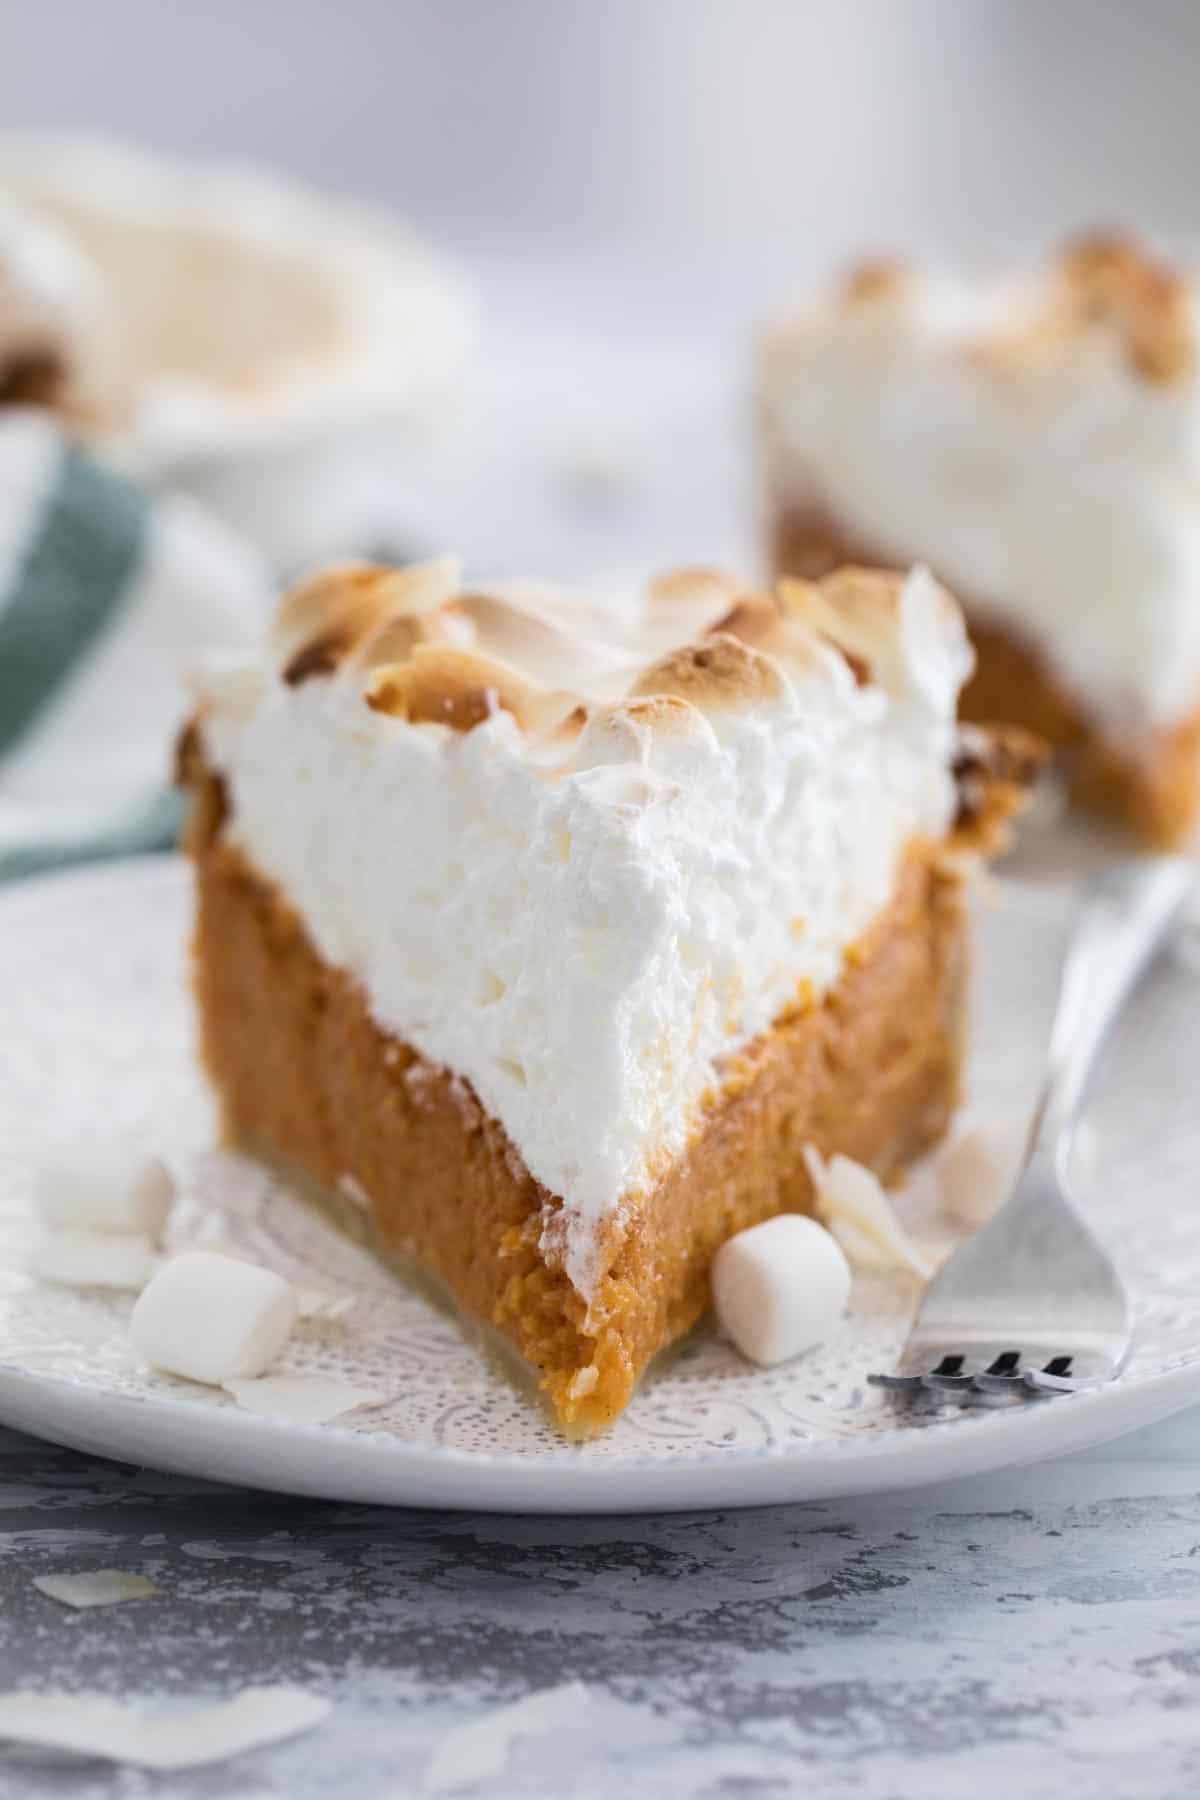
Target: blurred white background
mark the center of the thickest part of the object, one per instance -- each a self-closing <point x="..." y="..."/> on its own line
<point x="775" y="131"/>
<point x="633" y="182"/>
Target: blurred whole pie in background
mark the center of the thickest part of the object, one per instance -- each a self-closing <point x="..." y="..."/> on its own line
<point x="281" y="354"/>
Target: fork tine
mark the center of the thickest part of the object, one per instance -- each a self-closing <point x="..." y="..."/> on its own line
<point x="1011" y="1375"/>
<point x="1041" y="1381"/>
<point x="939" y="1382"/>
<point x="1037" y="1269"/>
<point x="1003" y="1376"/>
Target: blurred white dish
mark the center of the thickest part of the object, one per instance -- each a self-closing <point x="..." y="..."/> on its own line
<point x="288" y="352"/>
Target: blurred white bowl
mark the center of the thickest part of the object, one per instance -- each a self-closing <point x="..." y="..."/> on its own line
<point x="289" y="353"/>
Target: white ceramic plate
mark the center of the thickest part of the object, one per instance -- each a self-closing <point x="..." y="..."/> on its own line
<point x="97" y="1032"/>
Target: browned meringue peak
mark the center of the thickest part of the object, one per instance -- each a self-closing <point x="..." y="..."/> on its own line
<point x="692" y="586"/>
<point x="519" y="627"/>
<point x="654" y="730"/>
<point x="682" y="603"/>
<point x="764" y="623"/>
<point x="321" y="619"/>
<point x="442" y="684"/>
<point x="1110" y="277"/>
<point x="716" y="675"/>
<point x="858" y="611"/>
<point x="398" y="636"/>
<point x="1103" y="282"/>
<point x="875" y="284"/>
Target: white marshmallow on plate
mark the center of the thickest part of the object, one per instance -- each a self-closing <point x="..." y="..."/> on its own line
<point x="780" y="1287"/>
<point x="105" y="1186"/>
<point x="212" y="1318"/>
<point x="76" y="1257"/>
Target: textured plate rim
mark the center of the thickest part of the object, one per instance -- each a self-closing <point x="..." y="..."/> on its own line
<point x="327" y="1463"/>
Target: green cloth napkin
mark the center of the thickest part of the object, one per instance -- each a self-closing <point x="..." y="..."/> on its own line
<point x="66" y="593"/>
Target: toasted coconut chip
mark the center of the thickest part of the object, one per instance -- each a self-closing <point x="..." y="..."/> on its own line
<point x="95" y="1587"/>
<point x="480" y="1749"/>
<point x="851" y="1203"/>
<point x="301" y="1399"/>
<point x="94" y="1725"/>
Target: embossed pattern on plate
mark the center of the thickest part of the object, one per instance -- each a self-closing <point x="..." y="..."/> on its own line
<point x="98" y="1033"/>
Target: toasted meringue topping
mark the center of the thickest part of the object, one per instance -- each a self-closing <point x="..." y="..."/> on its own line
<point x="398" y="637"/>
<point x="565" y="860"/>
<point x="876" y="281"/>
<point x="443" y="685"/>
<point x="661" y="731"/>
<point x="719" y="673"/>
<point x="353" y="597"/>
<point x="1112" y="279"/>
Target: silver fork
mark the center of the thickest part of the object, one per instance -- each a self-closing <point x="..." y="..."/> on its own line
<point x="1032" y="1303"/>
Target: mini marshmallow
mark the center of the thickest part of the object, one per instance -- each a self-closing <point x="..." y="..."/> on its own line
<point x="212" y="1318"/>
<point x="780" y="1287"/>
<point x="105" y="1187"/>
<point x="72" y="1256"/>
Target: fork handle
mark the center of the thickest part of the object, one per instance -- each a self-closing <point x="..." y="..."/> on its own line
<point x="1127" y="911"/>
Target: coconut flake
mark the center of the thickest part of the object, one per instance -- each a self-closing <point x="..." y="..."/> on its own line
<point x="480" y="1749"/>
<point x="303" y="1399"/>
<point x="137" y="1732"/>
<point x="75" y="1257"/>
<point x="95" y="1587"/>
<point x="318" y="1308"/>
<point x="354" y="1191"/>
<point x="851" y="1202"/>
